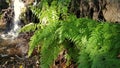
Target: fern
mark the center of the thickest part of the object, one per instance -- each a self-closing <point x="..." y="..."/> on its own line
<point x="41" y="34"/>
<point x="29" y="27"/>
<point x="101" y="47"/>
<point x="89" y="43"/>
<point x="49" y="54"/>
<point x="94" y="42"/>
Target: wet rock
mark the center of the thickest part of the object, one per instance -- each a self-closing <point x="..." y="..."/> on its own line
<point x="17" y="47"/>
<point x="2" y="25"/>
<point x="3" y="4"/>
<point x="21" y="49"/>
<point x="7" y="18"/>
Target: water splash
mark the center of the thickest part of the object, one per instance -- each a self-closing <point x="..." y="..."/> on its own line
<point x="18" y="9"/>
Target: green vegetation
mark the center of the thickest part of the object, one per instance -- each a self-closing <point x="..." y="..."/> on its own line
<point x="94" y="44"/>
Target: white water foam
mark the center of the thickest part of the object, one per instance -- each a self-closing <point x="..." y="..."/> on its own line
<point x="18" y="6"/>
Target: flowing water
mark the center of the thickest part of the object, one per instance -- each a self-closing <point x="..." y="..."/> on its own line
<point x="14" y="46"/>
<point x="18" y="9"/>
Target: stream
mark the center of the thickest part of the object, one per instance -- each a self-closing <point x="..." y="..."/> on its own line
<point x="14" y="46"/>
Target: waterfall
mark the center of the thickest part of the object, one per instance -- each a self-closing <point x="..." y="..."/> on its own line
<point x="18" y="9"/>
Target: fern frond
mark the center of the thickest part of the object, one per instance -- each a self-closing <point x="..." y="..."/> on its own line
<point x="100" y="45"/>
<point x="49" y="54"/>
<point x="84" y="60"/>
<point x="30" y="27"/>
<point x="42" y="34"/>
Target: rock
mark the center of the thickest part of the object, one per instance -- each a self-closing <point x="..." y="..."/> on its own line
<point x="10" y="47"/>
<point x="28" y="2"/>
<point x="105" y="10"/>
<point x="7" y="18"/>
<point x="21" y="49"/>
<point x="2" y="25"/>
<point x="3" y="5"/>
<point x="111" y="12"/>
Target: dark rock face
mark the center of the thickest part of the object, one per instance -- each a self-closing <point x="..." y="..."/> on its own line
<point x="3" y="5"/>
<point x="106" y="10"/>
<point x="30" y="17"/>
<point x="7" y="18"/>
